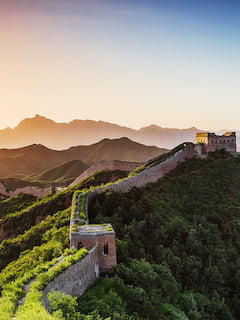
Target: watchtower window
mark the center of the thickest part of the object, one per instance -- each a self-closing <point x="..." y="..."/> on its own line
<point x="105" y="249"/>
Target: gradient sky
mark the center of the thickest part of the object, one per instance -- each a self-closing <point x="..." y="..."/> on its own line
<point x="168" y="62"/>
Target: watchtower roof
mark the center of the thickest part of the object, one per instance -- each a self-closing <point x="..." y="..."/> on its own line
<point x="212" y="134"/>
<point x="227" y="134"/>
<point x="96" y="229"/>
<point x="202" y="134"/>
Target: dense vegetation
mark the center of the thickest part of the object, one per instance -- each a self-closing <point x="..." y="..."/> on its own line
<point x="178" y="248"/>
<point x="187" y="227"/>
<point x="29" y="253"/>
<point x="15" y="203"/>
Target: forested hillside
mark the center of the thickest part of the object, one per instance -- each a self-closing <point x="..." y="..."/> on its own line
<point x="187" y="229"/>
<point x="178" y="243"/>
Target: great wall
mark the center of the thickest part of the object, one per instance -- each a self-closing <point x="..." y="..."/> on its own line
<point x="100" y="239"/>
<point x="152" y="171"/>
<point x="42" y="192"/>
<point x="37" y="192"/>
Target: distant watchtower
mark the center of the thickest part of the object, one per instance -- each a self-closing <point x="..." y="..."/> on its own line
<point x="211" y="142"/>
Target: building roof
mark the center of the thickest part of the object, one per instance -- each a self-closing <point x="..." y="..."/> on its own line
<point x="95" y="229"/>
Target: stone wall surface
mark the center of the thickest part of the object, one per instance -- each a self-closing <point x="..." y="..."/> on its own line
<point x="156" y="172"/>
<point x="211" y="142"/>
<point x="76" y="279"/>
<point x="149" y="175"/>
<point x="110" y="165"/>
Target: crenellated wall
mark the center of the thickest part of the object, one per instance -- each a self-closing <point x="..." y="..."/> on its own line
<point x="211" y="142"/>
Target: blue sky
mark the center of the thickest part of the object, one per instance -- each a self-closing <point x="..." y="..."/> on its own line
<point x="172" y="63"/>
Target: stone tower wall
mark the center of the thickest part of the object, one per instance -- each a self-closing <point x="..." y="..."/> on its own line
<point x="211" y="142"/>
<point x="106" y="261"/>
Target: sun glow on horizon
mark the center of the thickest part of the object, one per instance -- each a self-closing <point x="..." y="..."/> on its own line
<point x="133" y="64"/>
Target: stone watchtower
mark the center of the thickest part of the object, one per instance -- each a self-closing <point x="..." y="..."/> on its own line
<point x="210" y="142"/>
<point x="102" y="236"/>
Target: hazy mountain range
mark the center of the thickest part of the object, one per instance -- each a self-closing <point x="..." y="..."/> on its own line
<point x="59" y="136"/>
<point x="37" y="158"/>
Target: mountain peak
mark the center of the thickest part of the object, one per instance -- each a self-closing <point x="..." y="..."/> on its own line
<point x="55" y="135"/>
<point x="34" y="123"/>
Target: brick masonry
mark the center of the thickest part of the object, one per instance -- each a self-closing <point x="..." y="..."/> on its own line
<point x="210" y="142"/>
<point x="89" y="235"/>
<point x="76" y="279"/>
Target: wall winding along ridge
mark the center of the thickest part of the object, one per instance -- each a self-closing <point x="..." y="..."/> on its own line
<point x="37" y="192"/>
<point x="77" y="278"/>
<point x="150" y="174"/>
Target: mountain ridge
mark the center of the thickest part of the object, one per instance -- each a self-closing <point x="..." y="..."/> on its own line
<point x="37" y="158"/>
<point x="41" y="130"/>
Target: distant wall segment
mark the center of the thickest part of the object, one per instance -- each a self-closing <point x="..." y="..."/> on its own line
<point x="37" y="192"/>
<point x="110" y="165"/>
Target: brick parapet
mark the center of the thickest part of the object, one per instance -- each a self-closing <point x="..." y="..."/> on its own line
<point x="76" y="279"/>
